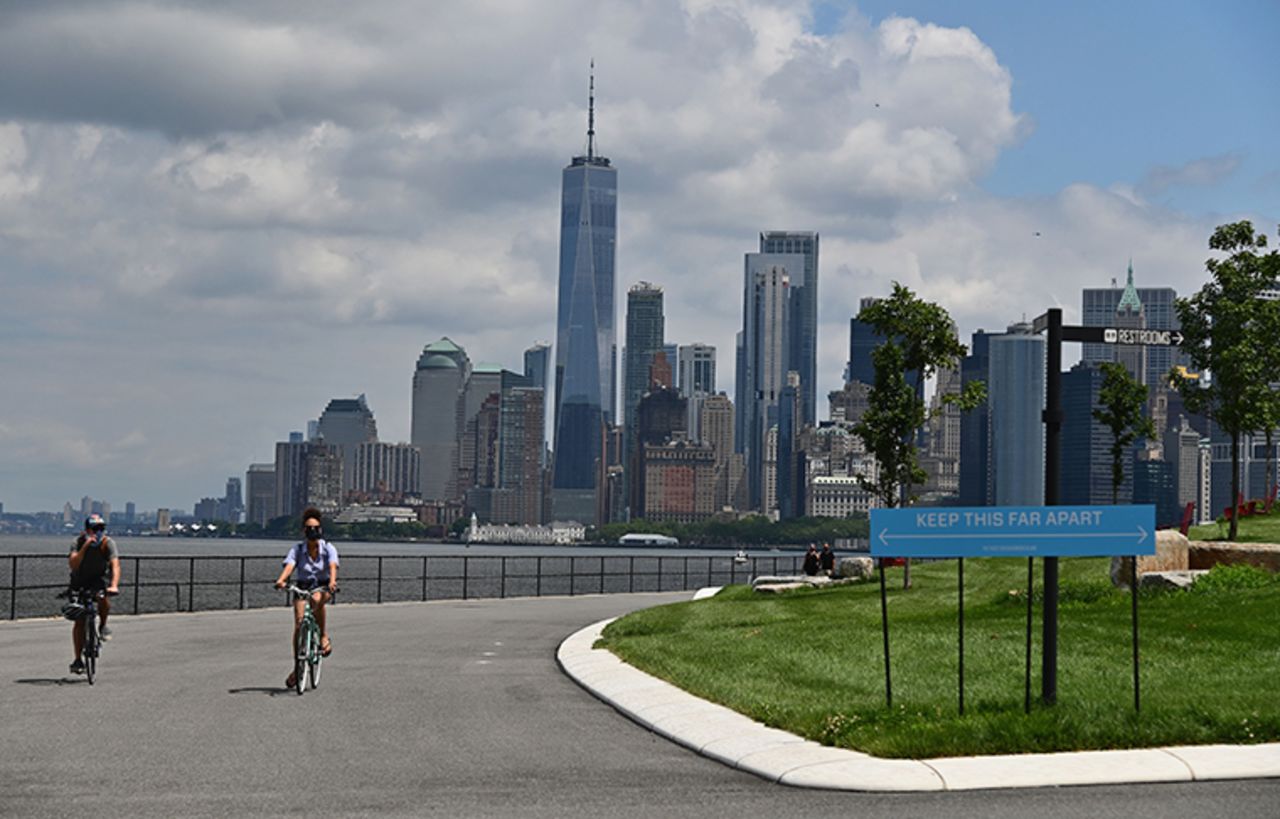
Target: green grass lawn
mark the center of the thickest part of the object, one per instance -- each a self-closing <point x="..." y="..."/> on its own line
<point x="811" y="661"/>
<point x="1252" y="529"/>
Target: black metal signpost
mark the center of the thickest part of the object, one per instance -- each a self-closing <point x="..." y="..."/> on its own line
<point x="1051" y="321"/>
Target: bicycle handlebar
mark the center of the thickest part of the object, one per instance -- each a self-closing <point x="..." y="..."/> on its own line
<point x="298" y="591"/>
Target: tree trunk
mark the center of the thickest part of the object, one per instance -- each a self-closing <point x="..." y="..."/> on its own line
<point x="1271" y="461"/>
<point x="1235" y="487"/>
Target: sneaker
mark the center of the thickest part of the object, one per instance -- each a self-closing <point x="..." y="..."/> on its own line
<point x="77" y="667"/>
<point x="105" y="633"/>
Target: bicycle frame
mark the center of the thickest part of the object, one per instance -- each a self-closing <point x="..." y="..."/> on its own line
<point x="307" y="656"/>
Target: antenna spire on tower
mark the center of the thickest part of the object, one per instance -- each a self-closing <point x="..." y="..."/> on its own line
<point x="591" y="113"/>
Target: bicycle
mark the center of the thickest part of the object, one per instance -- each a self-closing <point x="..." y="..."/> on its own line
<point x="82" y="604"/>
<point x="307" y="655"/>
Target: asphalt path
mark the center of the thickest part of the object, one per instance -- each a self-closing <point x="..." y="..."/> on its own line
<point x="447" y="708"/>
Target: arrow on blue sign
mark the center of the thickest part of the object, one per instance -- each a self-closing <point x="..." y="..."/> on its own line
<point x="1013" y="531"/>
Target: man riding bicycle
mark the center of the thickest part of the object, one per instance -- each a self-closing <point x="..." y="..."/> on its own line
<point x="95" y="568"/>
<point x="315" y="561"/>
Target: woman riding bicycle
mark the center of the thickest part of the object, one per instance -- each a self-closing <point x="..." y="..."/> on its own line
<point x="316" y="562"/>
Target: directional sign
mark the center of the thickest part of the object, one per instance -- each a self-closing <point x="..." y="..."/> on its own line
<point x="1123" y="335"/>
<point x="1013" y="531"/>
<point x="1150" y="338"/>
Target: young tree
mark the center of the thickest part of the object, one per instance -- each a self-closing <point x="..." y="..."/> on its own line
<point x="1222" y="328"/>
<point x="1120" y="404"/>
<point x="919" y="337"/>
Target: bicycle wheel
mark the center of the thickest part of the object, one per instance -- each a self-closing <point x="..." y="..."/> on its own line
<point x="305" y="639"/>
<point x="90" y="650"/>
<point x="314" y="659"/>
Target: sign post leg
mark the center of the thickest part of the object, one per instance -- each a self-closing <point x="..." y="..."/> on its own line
<point x="1031" y="576"/>
<point x="884" y="623"/>
<point x="1133" y="586"/>
<point x="960" y="595"/>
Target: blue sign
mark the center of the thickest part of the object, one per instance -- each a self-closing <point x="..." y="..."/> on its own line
<point x="1013" y="531"/>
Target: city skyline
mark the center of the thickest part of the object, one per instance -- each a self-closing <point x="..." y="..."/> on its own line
<point x="189" y="280"/>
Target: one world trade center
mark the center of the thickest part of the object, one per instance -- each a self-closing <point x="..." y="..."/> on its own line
<point x="585" y="334"/>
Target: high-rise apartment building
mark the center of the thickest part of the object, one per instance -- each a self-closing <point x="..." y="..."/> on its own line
<point x="766" y="312"/>
<point x="260" y="491"/>
<point x="586" y="340"/>
<point x="697" y="380"/>
<point x="1015" y="401"/>
<point x="346" y="423"/>
<point x="520" y="456"/>
<point x="386" y="472"/>
<point x="307" y="474"/>
<point x="438" y="381"/>
<point x="802" y="343"/>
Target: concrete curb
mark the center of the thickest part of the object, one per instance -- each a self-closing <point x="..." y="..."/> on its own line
<point x="738" y="741"/>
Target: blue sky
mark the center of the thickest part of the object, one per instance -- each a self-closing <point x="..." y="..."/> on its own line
<point x="1116" y="89"/>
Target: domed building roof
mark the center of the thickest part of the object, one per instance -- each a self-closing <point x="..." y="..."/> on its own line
<point x="437" y="362"/>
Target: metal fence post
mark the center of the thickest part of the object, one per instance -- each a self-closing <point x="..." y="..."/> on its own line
<point x="538" y="584"/>
<point x="631" y="574"/>
<point x="602" y="575"/>
<point x="686" y="573"/>
<point x="191" y="585"/>
<point x="379" y="578"/>
<point x="709" y="572"/>
<point x="424" y="578"/>
<point x="137" y="581"/>
<point x="502" y="589"/>
<point x="242" y="583"/>
<point x="466" y="569"/>
<point x="13" y="588"/>
<point x="573" y="567"/>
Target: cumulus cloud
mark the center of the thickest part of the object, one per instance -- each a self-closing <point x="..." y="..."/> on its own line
<point x="223" y="215"/>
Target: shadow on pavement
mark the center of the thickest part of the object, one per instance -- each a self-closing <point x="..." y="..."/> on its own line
<point x="52" y="681"/>
<point x="260" y="689"/>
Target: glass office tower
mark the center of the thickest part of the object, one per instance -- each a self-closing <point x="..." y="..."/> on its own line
<point x="585" y="331"/>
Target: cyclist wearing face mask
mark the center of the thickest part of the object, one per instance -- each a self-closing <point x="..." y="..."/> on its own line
<point x="315" y="561"/>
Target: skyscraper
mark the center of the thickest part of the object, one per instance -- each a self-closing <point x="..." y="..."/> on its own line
<point x="1015" y="398"/>
<point x="441" y="373"/>
<point x="1086" y="443"/>
<point x="260" y="487"/>
<point x="975" y="450"/>
<point x="802" y="356"/>
<point x="697" y="380"/>
<point x="347" y="423"/>
<point x="1099" y="307"/>
<point x="645" y="327"/>
<point x="537" y="366"/>
<point x="765" y="315"/>
<point x="585" y="336"/>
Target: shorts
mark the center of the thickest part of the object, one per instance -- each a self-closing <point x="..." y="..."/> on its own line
<point x="92" y="584"/>
<point x="313" y="585"/>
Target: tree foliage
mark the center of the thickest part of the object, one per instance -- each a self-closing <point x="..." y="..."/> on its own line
<point x="919" y="337"/>
<point x="1121" y="402"/>
<point x="1223" y="328"/>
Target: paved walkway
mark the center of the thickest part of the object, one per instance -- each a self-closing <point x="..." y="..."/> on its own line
<point x="450" y="709"/>
<point x="738" y="741"/>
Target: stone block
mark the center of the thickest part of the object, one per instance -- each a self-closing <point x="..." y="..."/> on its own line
<point x="859" y="568"/>
<point x="1207" y="554"/>
<point x="1172" y="555"/>
<point x="1170" y="580"/>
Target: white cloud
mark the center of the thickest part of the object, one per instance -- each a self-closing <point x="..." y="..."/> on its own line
<point x="229" y="215"/>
